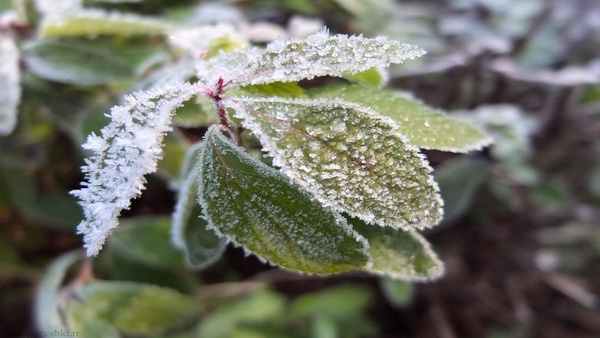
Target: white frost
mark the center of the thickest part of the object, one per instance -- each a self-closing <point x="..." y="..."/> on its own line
<point x="128" y="149"/>
<point x="10" y="94"/>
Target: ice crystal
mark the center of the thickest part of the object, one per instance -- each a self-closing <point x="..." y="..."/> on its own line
<point x="257" y="207"/>
<point x="319" y="54"/>
<point x="128" y="148"/>
<point x="348" y="156"/>
<point x="9" y="82"/>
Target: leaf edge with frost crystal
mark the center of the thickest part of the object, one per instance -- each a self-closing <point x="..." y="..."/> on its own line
<point x="274" y="219"/>
<point x="401" y="255"/>
<point x="319" y="54"/>
<point x="308" y="154"/>
<point x="128" y="149"/>
<point x="426" y="127"/>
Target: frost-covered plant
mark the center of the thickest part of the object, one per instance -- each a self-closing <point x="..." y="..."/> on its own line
<point x="348" y="187"/>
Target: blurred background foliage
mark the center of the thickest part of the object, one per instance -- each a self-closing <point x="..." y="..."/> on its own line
<point x="521" y="236"/>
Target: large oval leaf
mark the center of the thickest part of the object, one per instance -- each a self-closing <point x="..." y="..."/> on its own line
<point x="259" y="208"/>
<point x="425" y="127"/>
<point x="404" y="255"/>
<point x="348" y="156"/>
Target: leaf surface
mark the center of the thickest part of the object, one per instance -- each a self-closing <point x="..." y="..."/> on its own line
<point x="404" y="255"/>
<point x="424" y="126"/>
<point x="349" y="157"/>
<point x="257" y="207"/>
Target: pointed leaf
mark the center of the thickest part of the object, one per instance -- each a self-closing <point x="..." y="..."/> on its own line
<point x="132" y="308"/>
<point x="94" y="22"/>
<point x="128" y="149"/>
<point x="291" y="60"/>
<point x="189" y="231"/>
<point x="424" y="126"/>
<point x="10" y="94"/>
<point x="257" y="207"/>
<point x="348" y="157"/>
<point x="404" y="255"/>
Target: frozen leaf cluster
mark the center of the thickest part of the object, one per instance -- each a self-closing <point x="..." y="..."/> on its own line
<point x="348" y="186"/>
<point x="10" y="94"/>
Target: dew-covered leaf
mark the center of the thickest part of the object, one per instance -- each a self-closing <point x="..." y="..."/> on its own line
<point x="257" y="207"/>
<point x="10" y="94"/>
<point x="373" y="77"/>
<point x="424" y="126"/>
<point x="75" y="63"/>
<point x="189" y="231"/>
<point x="94" y="22"/>
<point x="134" y="309"/>
<point x="398" y="254"/>
<point x="349" y="157"/>
<point x="291" y="60"/>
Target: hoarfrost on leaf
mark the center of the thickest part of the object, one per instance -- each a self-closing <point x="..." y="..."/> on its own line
<point x="128" y="149"/>
<point x="257" y="207"/>
<point x="10" y="94"/>
<point x="290" y="60"/>
<point x="356" y="160"/>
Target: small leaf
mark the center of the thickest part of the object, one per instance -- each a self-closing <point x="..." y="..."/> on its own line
<point x="134" y="309"/>
<point x="94" y="22"/>
<point x="75" y="63"/>
<point x="349" y="157"/>
<point x="424" y="126"/>
<point x="292" y="60"/>
<point x="47" y="300"/>
<point x="257" y="207"/>
<point x="373" y="77"/>
<point x="146" y="240"/>
<point x="189" y="231"/>
<point x="10" y="95"/>
<point x="404" y="255"/>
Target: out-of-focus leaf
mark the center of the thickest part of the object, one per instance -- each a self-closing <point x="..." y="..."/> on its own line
<point x="75" y="63"/>
<point x="261" y="306"/>
<point x="94" y="22"/>
<point x="257" y="207"/>
<point x="404" y="255"/>
<point x="132" y="308"/>
<point x="424" y="126"/>
<point x="398" y="292"/>
<point x="348" y="156"/>
<point x="279" y="89"/>
<point x="146" y="240"/>
<point x="337" y="302"/>
<point x="175" y="146"/>
<point x="10" y="75"/>
<point x="374" y="77"/>
<point x="458" y="180"/>
<point x="47" y="299"/>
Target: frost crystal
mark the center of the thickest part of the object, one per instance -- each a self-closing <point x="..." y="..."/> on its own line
<point x="348" y="156"/>
<point x="129" y="148"/>
<point x="289" y="60"/>
<point x="9" y="82"/>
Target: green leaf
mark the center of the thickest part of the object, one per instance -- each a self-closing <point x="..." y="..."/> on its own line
<point x="404" y="255"/>
<point x="94" y="22"/>
<point x="47" y="300"/>
<point x="260" y="306"/>
<point x="190" y="231"/>
<point x="337" y="302"/>
<point x="132" y="308"/>
<point x="75" y="63"/>
<point x="280" y="89"/>
<point x="424" y="126"/>
<point x="175" y="146"/>
<point x="348" y="157"/>
<point x="374" y="77"/>
<point x="398" y="292"/>
<point x="146" y="240"/>
<point x="257" y="207"/>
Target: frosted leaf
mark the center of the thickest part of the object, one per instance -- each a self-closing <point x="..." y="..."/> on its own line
<point x="93" y="22"/>
<point x="189" y="231"/>
<point x="257" y="207"/>
<point x="58" y="7"/>
<point x="404" y="255"/>
<point x="128" y="149"/>
<point x="319" y="54"/>
<point x="355" y="160"/>
<point x="424" y="126"/>
<point x="10" y="94"/>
